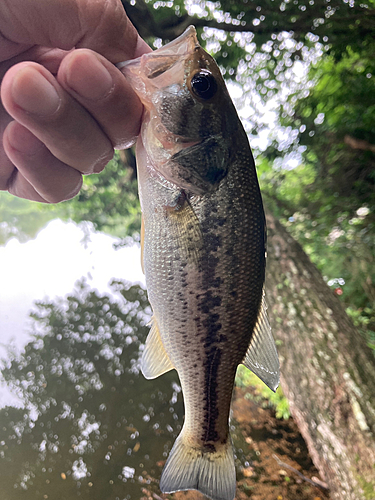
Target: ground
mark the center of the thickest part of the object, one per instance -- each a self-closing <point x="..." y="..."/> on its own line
<point x="273" y="463"/>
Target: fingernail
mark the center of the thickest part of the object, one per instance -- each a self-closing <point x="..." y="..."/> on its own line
<point x="34" y="93"/>
<point x="89" y="78"/>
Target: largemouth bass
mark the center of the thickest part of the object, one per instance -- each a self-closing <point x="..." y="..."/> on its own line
<point x="203" y="254"/>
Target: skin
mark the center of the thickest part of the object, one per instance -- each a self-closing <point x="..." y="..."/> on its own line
<point x="64" y="105"/>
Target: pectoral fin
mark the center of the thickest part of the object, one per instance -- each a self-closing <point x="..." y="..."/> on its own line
<point x="187" y="229"/>
<point x="261" y="357"/>
<point x="155" y="360"/>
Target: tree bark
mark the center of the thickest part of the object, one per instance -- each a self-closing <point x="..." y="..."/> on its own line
<point x="328" y="371"/>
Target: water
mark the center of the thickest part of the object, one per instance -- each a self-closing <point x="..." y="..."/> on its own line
<point x="84" y="423"/>
<point x="90" y="426"/>
<point x="50" y="264"/>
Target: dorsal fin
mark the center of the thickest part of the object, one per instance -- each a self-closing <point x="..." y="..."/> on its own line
<point x="261" y="357"/>
<point x="155" y="360"/>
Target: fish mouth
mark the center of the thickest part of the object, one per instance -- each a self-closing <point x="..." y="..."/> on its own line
<point x="154" y="65"/>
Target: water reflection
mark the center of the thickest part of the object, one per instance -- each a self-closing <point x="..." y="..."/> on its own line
<point x="91" y="426"/>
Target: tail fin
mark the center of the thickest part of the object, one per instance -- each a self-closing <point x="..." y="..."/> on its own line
<point x="211" y="473"/>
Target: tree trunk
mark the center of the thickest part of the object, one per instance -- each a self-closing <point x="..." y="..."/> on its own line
<point x="327" y="370"/>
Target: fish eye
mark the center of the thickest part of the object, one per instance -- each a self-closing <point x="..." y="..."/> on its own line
<point x="204" y="85"/>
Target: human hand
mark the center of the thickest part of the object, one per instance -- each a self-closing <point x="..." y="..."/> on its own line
<point x="64" y="105"/>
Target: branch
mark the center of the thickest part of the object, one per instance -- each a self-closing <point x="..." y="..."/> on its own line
<point x="358" y="144"/>
<point x="318" y="484"/>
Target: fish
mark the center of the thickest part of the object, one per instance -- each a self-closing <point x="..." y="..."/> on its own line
<point x="203" y="252"/>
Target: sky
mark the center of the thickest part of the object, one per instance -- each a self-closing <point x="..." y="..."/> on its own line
<point x="49" y="265"/>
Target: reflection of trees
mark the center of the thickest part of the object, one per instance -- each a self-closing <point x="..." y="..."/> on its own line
<point x="90" y="420"/>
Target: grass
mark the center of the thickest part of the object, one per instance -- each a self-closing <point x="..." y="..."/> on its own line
<point x="263" y="394"/>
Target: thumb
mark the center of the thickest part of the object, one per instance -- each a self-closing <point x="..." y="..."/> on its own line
<point x="100" y="25"/>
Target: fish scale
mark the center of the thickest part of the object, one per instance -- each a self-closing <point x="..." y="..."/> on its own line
<point x="203" y="252"/>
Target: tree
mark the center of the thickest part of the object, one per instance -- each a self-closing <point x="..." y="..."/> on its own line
<point x="328" y="202"/>
<point x="327" y="369"/>
<point x="335" y="22"/>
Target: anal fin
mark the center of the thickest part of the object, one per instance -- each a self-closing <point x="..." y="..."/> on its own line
<point x="155" y="360"/>
<point x="261" y="357"/>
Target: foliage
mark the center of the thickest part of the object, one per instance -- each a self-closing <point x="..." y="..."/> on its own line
<point x="264" y="395"/>
<point x="328" y="201"/>
<point x="109" y="200"/>
<point x="336" y="124"/>
<point x="20" y="218"/>
<point x="340" y="243"/>
<point x="336" y="23"/>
